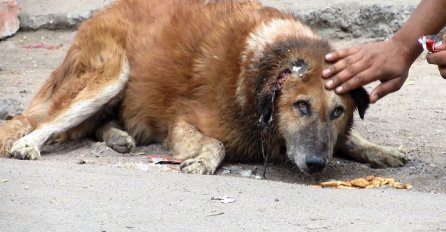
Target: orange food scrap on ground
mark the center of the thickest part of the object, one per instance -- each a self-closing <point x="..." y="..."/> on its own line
<point x="368" y="182"/>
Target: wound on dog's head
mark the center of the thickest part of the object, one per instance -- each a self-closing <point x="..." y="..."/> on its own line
<point x="299" y="67"/>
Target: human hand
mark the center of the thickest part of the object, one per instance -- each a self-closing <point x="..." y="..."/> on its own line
<point x="439" y="58"/>
<point x="388" y="61"/>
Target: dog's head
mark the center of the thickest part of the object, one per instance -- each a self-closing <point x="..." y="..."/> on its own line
<point x="291" y="95"/>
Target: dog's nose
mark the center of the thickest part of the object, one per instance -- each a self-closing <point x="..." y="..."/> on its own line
<point x="315" y="164"/>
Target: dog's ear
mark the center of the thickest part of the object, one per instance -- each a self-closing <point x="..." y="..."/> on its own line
<point x="361" y="99"/>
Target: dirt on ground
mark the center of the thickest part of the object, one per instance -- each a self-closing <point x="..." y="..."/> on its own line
<point x="413" y="119"/>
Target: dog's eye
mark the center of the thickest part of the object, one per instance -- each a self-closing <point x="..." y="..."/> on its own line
<point x="303" y="107"/>
<point x="337" y="112"/>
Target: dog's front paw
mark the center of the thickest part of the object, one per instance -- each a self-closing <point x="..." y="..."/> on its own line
<point x="198" y="166"/>
<point x="25" y="150"/>
<point x="121" y="142"/>
<point x="386" y="157"/>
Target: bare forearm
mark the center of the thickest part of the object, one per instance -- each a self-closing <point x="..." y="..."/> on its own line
<point x="428" y="18"/>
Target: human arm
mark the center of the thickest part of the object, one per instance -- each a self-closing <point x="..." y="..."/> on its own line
<point x="388" y="61"/>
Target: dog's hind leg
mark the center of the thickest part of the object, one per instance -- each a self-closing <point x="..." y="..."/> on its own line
<point x="377" y="156"/>
<point x="115" y="138"/>
<point x="19" y="126"/>
<point x="12" y="130"/>
<point x="202" y="154"/>
<point x="99" y="89"/>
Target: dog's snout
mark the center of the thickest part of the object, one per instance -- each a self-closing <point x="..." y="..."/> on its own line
<point x="315" y="164"/>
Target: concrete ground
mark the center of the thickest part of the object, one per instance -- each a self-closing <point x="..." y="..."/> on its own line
<point x="55" y="196"/>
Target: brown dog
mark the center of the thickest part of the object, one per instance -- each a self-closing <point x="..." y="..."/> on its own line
<point x="212" y="80"/>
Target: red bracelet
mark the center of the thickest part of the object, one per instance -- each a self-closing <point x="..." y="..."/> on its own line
<point x="430" y="43"/>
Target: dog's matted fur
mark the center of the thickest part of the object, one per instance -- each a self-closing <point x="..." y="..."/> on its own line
<point x="212" y="80"/>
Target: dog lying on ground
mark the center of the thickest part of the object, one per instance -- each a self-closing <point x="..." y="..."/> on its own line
<point x="212" y="80"/>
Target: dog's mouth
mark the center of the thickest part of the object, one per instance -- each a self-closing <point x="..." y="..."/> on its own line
<point x="307" y="162"/>
<point x="313" y="165"/>
<point x="311" y="147"/>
